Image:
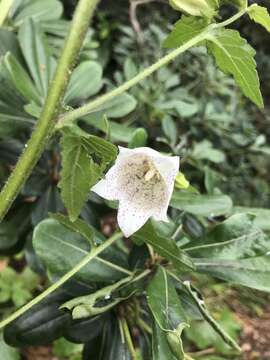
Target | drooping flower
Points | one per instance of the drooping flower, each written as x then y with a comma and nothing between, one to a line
142,180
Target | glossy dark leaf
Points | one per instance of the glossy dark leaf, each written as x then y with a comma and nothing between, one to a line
60,249
164,302
164,246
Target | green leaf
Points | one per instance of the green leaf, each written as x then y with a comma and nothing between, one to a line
20,79
204,151
60,249
235,238
160,346
8,352
236,57
37,56
204,205
118,107
78,226
39,11
79,172
260,15
117,132
262,216
184,30
164,302
253,273
138,139
86,80
164,246
9,43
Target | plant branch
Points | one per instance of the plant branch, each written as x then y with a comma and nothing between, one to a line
62,280
67,118
226,337
128,339
45,124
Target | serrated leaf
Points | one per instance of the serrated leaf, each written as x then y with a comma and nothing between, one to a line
79,172
260,15
184,30
236,57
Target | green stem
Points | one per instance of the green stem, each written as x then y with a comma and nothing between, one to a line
60,282
71,116
45,124
226,337
5,6
128,339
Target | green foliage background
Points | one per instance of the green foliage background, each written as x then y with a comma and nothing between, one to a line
190,109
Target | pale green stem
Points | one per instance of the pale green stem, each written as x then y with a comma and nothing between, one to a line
5,6
128,339
45,124
71,116
226,337
60,282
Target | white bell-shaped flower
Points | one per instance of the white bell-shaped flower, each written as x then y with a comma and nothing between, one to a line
142,180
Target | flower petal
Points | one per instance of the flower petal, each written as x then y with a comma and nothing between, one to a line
131,218
108,187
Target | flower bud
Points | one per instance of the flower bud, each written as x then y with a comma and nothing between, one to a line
195,7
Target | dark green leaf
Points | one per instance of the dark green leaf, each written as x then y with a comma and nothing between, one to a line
160,346
79,226
61,249
164,302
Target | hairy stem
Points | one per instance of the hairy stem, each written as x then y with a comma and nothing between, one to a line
71,116
225,336
45,124
60,282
